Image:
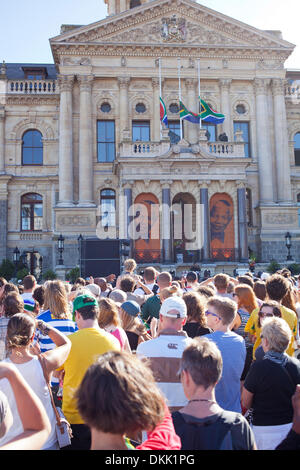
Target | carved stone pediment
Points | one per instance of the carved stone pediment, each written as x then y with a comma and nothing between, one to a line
170,22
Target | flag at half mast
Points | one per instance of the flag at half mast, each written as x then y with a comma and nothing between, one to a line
163,112
208,114
184,113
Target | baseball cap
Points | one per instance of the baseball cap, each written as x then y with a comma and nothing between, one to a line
131,307
84,300
95,290
173,307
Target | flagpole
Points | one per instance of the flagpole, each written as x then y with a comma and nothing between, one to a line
199,91
179,92
160,91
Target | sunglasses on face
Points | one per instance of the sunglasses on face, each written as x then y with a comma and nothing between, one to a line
264,315
213,314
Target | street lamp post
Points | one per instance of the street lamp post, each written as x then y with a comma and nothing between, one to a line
288,244
79,239
16,258
61,247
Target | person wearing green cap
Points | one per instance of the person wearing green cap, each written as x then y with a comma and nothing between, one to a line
88,343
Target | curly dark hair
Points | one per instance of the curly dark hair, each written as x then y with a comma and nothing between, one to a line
277,287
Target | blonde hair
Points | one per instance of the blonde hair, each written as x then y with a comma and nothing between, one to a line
108,313
171,291
277,332
56,300
129,265
130,323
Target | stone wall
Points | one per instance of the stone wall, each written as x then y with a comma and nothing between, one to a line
3,228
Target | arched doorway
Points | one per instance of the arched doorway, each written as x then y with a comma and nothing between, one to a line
146,220
184,227
222,246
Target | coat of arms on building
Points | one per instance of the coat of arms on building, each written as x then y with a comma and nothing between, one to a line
173,29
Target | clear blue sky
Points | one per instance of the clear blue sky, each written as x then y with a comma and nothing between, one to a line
27,26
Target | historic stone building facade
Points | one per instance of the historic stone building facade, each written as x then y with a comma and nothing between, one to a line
79,135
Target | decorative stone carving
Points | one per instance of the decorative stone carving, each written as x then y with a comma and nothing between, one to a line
65,82
73,220
269,65
260,86
76,61
280,219
85,82
124,82
277,87
173,29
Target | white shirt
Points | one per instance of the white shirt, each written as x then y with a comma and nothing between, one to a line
27,296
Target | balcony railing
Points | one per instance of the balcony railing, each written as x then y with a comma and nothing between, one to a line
143,149
32,87
292,91
227,149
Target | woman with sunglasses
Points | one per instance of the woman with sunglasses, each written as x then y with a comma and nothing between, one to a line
267,310
271,383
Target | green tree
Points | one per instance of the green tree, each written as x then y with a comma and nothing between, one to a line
49,275
7,269
273,267
73,274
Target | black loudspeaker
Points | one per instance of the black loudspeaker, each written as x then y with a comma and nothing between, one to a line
99,258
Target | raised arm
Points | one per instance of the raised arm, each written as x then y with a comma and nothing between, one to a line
54,358
32,413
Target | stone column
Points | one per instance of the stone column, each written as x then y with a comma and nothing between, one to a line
192,105
156,111
167,235
226,107
283,176
123,93
66,197
242,223
206,230
2,140
265,163
111,7
123,6
86,196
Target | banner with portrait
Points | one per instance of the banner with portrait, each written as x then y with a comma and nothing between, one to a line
147,228
222,244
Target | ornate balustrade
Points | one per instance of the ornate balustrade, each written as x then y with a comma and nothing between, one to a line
32,87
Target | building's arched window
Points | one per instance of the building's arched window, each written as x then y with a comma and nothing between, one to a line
297,149
32,148
31,212
108,208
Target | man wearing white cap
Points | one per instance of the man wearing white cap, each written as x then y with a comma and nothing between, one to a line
165,351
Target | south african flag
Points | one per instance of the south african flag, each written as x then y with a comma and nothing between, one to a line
188,115
208,114
163,112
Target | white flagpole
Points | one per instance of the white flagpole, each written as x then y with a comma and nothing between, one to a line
179,91
199,91
160,96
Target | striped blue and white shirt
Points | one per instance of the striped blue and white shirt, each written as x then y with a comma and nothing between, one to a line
64,325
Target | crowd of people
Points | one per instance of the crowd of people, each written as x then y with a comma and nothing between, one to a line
151,361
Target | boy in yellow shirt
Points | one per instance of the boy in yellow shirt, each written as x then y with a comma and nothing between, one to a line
88,343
